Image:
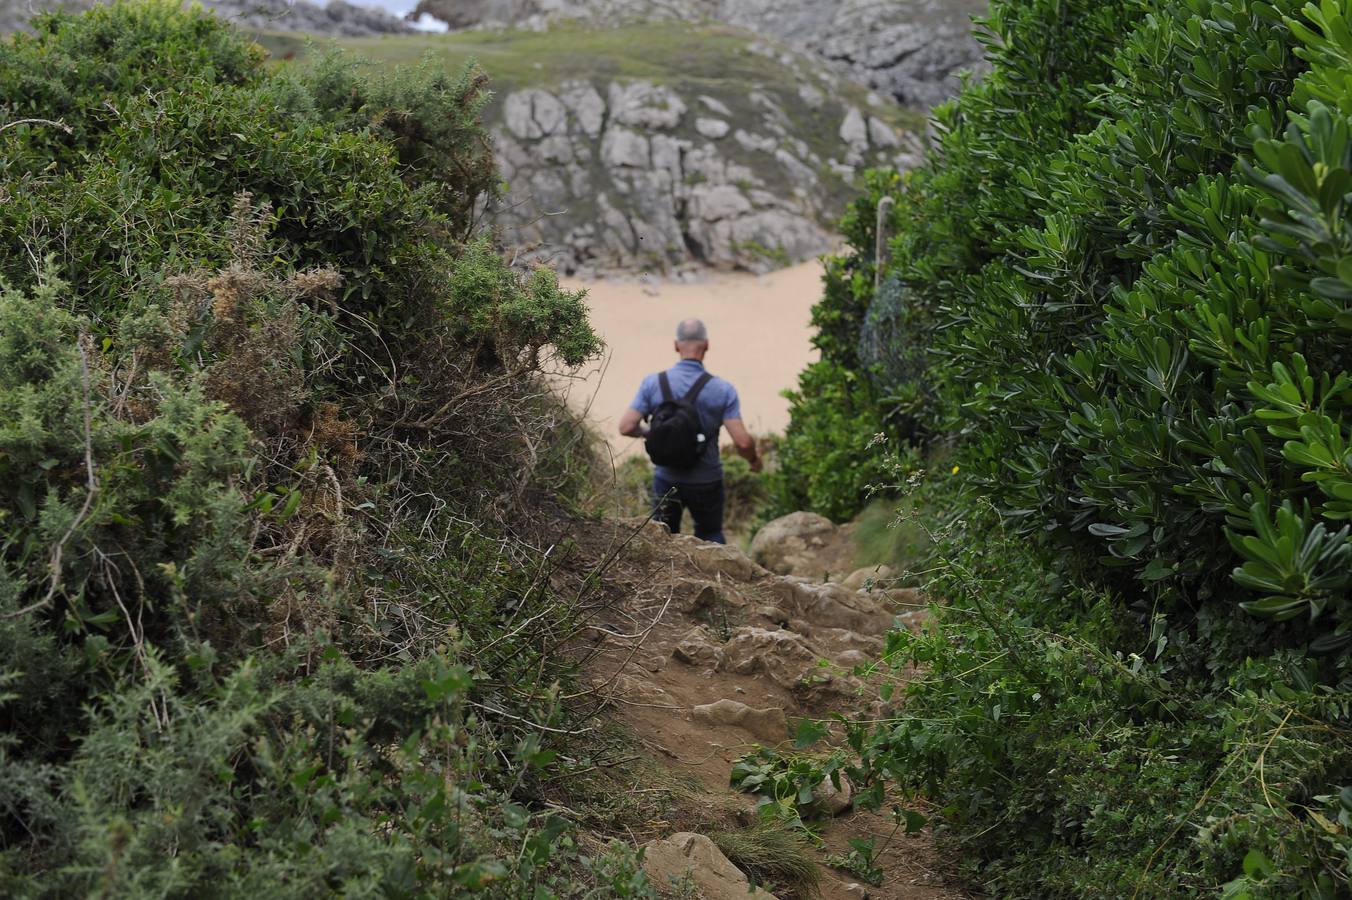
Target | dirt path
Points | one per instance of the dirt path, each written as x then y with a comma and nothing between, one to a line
702,624
760,339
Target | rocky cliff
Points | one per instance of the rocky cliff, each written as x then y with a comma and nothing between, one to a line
911,50
631,176
748,169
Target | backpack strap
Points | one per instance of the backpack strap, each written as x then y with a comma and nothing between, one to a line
665,383
693,394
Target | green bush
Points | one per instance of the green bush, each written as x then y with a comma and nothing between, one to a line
1072,755
1125,266
272,421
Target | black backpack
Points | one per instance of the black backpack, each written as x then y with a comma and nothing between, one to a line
676,437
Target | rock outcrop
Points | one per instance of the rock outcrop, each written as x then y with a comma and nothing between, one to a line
911,50
635,175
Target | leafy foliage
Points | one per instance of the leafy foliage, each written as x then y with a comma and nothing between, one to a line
271,418
1126,266
1074,751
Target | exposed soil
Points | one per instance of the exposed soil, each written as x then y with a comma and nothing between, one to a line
696,623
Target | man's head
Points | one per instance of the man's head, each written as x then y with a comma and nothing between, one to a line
692,339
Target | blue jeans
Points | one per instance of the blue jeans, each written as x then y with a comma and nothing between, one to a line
705,502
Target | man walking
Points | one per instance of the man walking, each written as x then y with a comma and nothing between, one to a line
684,408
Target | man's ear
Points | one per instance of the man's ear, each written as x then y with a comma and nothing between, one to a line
676,345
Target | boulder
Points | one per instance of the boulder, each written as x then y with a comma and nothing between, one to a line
831,800
586,105
691,856
880,134
789,545
713,129
642,104
881,576
622,148
769,725
696,649
533,114
786,657
720,560
854,130
637,689
715,202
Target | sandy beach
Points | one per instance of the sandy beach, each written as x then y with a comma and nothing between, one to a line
759,339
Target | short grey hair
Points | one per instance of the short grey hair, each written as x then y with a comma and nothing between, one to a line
691,330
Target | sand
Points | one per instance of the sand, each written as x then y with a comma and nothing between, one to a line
759,339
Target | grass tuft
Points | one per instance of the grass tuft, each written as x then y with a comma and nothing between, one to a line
770,853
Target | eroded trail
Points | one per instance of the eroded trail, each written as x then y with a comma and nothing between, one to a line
709,655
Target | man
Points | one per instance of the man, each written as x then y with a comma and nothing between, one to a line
698,488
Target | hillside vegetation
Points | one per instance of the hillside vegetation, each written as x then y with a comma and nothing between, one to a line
273,452
1113,321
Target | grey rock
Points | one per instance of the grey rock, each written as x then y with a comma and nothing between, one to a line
880,134
533,114
586,105
621,147
713,104
802,175
811,96
788,545
755,141
713,203
645,105
712,128
786,657
833,800
854,129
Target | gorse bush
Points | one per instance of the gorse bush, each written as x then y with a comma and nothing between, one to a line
1123,268
272,427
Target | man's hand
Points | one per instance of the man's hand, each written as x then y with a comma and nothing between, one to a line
631,424
745,443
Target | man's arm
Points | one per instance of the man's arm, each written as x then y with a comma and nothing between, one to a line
745,443
631,424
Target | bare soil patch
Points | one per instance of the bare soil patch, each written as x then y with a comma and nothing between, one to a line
693,624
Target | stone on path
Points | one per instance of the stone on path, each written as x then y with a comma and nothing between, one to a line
881,576
833,800
694,856
790,545
770,725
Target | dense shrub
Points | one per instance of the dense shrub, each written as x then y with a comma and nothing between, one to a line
1073,755
1124,264
271,423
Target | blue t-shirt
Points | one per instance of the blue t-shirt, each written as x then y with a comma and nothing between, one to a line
716,404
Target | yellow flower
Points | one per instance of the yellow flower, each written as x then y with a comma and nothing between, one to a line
955,469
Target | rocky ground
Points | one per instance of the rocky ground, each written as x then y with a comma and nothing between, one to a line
710,654
911,50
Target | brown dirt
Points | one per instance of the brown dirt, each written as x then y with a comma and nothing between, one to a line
668,587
